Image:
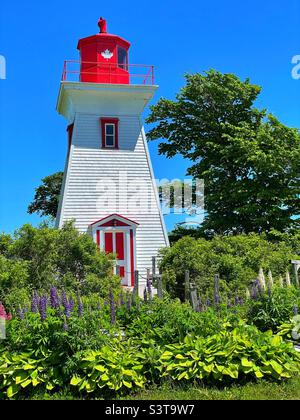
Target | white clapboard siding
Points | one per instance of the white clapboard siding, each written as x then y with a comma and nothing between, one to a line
88,163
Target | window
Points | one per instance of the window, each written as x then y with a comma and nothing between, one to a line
122,58
110,135
109,131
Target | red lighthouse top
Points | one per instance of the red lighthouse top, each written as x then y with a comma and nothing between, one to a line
104,57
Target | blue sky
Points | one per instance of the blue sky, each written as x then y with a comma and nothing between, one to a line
255,39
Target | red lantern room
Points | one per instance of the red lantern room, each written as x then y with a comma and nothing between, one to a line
104,57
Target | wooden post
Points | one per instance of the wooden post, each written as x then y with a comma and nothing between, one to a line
149,284
296,268
186,285
153,266
159,286
296,265
136,285
217,288
193,296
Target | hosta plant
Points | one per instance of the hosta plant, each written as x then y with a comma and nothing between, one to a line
22,373
291,330
243,353
113,368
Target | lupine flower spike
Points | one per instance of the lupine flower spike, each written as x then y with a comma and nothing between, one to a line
112,307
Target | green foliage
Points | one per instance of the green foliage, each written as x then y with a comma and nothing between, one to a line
38,248
13,275
236,258
151,343
40,338
271,310
22,373
46,197
249,161
5,244
169,321
116,367
37,258
230,355
291,330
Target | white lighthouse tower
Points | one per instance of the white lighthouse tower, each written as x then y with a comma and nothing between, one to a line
109,188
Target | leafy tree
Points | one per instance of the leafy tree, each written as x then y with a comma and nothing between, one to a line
78,256
59,256
46,198
37,246
249,161
5,244
236,258
13,275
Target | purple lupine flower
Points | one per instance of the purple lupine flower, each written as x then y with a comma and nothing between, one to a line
20,313
236,300
65,326
295,309
254,291
208,302
34,302
105,303
54,299
258,286
112,307
67,310
241,301
71,304
43,308
80,308
64,299
217,299
229,304
122,301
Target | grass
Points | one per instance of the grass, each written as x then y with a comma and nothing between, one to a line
289,390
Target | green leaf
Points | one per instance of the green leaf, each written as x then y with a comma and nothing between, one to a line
75,380
26,383
12,390
100,368
127,384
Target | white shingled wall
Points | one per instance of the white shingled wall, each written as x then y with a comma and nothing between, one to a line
89,163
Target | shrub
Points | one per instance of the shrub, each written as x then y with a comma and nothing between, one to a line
271,310
116,367
169,321
291,330
13,276
24,373
36,258
236,258
244,353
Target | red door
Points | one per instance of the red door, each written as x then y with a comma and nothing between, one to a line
114,242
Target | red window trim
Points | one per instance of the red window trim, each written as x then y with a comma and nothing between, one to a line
114,121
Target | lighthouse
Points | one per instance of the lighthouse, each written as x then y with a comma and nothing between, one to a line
109,189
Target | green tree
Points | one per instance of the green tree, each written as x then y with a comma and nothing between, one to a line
249,161
63,257
46,198
236,258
